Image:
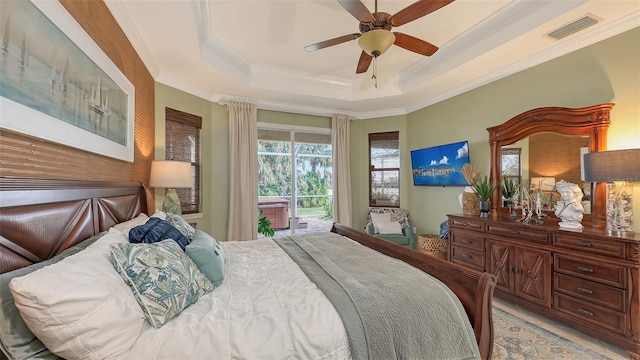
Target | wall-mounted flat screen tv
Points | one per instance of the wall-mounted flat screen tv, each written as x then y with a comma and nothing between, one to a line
440,165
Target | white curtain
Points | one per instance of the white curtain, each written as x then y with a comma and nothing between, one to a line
243,171
341,172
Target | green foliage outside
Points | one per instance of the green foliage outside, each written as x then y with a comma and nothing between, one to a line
313,168
328,211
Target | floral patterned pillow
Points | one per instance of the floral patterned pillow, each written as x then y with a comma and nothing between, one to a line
164,280
181,224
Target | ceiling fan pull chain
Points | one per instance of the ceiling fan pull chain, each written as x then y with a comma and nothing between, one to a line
375,71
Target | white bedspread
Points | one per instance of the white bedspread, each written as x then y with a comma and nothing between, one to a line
287,318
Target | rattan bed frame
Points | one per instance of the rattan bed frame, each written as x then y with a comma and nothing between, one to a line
41,218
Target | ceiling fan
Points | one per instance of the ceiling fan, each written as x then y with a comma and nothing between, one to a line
375,35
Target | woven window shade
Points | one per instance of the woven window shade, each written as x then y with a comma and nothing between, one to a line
384,169
182,143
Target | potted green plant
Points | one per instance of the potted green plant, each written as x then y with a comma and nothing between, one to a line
509,188
509,191
484,188
264,225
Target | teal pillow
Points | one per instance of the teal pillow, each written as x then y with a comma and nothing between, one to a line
163,279
207,253
181,224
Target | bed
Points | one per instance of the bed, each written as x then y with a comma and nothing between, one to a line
41,220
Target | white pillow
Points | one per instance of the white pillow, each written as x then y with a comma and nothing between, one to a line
160,214
379,218
129,224
80,307
391,227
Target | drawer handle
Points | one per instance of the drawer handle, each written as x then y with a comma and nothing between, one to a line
585,244
586,291
466,256
585,312
514,232
466,224
585,269
465,241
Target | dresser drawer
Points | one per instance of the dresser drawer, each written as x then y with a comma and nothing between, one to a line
614,275
467,239
519,233
598,294
466,224
468,257
609,248
601,317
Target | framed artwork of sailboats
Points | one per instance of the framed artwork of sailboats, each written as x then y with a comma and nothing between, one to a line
57,84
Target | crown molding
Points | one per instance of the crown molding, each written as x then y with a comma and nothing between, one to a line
128,26
564,47
483,37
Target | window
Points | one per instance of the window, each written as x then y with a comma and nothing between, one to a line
308,189
384,169
182,143
511,164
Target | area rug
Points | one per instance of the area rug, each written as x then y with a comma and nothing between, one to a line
518,339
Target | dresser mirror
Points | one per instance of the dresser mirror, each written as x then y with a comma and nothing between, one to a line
540,160
564,134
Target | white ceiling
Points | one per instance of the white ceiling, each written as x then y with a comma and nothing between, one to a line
254,49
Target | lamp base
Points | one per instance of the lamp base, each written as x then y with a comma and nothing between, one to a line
619,209
171,203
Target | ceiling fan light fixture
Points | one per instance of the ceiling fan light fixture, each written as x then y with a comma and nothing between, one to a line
376,42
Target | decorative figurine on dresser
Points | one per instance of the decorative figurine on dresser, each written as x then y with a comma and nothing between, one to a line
569,210
587,277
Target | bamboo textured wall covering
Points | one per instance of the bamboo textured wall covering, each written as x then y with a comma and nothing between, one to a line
27,157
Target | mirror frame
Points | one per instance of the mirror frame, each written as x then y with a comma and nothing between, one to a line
592,121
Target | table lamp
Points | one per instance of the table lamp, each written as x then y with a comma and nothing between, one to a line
171,174
616,168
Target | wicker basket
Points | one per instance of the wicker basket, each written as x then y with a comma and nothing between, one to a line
432,245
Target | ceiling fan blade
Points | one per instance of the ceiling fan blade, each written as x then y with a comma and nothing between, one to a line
358,10
331,42
363,63
414,44
416,11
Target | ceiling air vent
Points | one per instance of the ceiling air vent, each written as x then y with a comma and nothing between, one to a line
574,26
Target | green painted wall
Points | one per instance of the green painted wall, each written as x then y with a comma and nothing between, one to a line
214,148
279,117
604,72
359,159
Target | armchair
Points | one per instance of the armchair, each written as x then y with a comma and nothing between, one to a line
405,237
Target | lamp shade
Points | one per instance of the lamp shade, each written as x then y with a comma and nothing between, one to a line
376,42
616,165
170,174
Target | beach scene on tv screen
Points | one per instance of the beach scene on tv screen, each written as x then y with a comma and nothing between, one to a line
440,165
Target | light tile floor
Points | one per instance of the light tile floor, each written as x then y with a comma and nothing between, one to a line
314,224
607,349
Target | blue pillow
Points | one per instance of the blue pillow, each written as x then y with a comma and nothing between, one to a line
208,255
444,230
155,230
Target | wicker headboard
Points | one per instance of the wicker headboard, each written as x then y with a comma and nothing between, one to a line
41,218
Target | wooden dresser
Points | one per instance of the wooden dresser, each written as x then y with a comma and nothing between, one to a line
587,279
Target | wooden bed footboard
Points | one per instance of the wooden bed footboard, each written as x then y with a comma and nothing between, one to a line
473,288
